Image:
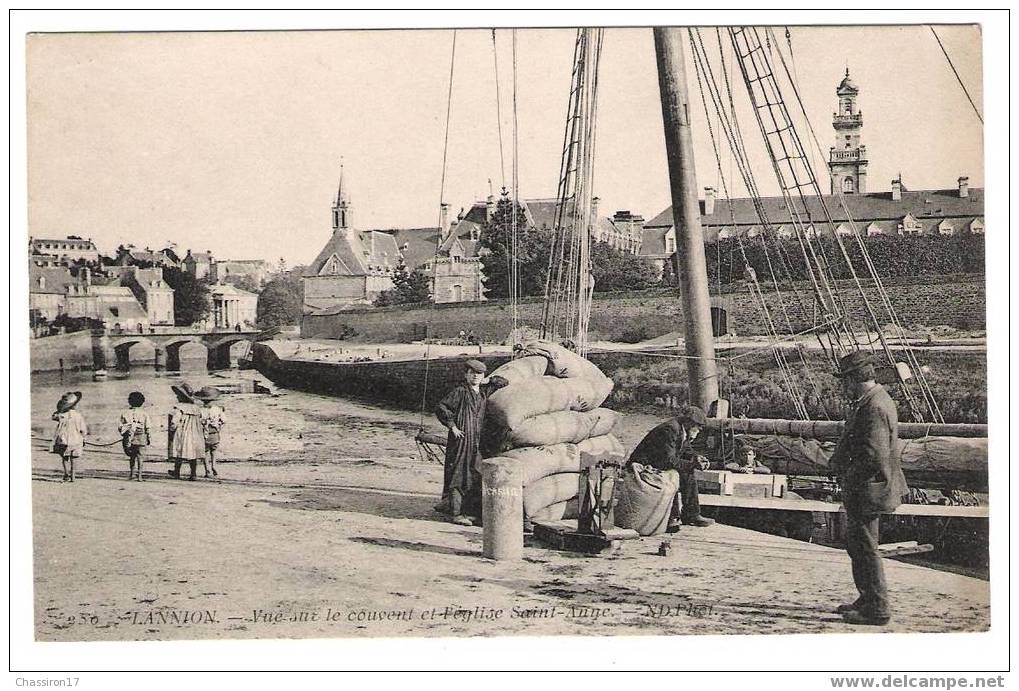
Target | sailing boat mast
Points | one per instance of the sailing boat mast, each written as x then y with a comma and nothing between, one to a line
691,266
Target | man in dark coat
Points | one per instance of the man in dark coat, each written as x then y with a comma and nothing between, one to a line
463,412
870,474
668,447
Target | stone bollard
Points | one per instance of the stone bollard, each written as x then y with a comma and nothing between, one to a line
502,508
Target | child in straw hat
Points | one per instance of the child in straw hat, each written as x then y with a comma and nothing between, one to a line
188,440
213,420
69,435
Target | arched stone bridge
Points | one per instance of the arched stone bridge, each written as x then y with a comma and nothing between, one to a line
167,344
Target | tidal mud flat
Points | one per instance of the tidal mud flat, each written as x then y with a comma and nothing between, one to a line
321,525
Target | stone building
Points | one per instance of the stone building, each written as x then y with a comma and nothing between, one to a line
623,231
231,307
897,212
353,267
113,305
151,291
198,264
66,250
847,159
129,255
47,290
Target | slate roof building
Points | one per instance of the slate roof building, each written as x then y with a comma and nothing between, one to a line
66,250
899,211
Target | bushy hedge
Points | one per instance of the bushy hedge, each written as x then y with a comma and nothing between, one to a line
923,255
755,386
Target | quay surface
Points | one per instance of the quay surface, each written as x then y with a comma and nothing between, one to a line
266,554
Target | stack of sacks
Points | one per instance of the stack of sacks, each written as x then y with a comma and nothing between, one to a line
548,418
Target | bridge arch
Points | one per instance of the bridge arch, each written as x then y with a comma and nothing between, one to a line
122,349
219,349
172,348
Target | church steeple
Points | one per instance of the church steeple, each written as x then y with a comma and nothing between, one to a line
848,158
342,209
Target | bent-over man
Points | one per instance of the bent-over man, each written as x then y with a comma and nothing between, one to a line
872,483
668,447
463,412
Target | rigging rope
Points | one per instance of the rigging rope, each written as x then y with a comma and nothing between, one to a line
498,111
925,390
514,243
439,238
956,73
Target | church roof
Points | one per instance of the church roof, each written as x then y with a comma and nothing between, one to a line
347,246
864,208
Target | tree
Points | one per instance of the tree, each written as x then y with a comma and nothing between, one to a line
191,300
280,302
408,287
533,248
617,270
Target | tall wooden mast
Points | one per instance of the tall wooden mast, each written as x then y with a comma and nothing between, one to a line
691,265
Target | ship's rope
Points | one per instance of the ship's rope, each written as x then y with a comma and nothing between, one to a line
956,73
885,300
439,238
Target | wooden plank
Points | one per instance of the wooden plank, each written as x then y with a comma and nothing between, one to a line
830,507
900,549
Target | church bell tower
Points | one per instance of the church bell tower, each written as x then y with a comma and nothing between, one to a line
342,210
848,158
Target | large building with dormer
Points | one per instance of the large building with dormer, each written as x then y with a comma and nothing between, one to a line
899,211
356,265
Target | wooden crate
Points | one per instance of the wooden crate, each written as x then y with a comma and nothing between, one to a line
730,484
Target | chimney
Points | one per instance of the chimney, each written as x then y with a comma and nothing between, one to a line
443,217
709,201
489,207
594,207
897,189
963,187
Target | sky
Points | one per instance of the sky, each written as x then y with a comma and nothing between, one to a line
232,142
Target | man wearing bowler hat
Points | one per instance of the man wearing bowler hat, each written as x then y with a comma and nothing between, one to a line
463,412
870,474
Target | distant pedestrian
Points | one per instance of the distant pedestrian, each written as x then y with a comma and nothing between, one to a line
213,420
187,441
135,433
463,412
69,434
872,483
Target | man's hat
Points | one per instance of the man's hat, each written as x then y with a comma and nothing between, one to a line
136,399
693,415
476,366
207,393
853,362
184,392
68,401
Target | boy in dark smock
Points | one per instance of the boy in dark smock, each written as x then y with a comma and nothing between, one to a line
463,412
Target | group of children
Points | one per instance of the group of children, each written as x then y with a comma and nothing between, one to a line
195,426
